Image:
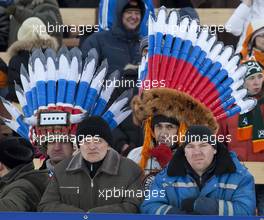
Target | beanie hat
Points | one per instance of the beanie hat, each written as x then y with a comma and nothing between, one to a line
161,118
200,133
143,44
31,29
95,125
132,4
15,151
253,67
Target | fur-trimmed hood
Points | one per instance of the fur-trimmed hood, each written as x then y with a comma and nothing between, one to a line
17,46
172,104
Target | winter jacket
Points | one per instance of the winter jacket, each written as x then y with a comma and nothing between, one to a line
107,15
48,12
4,28
21,189
72,189
243,149
19,53
229,191
117,45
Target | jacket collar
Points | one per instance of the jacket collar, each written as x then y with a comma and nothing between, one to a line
17,172
224,162
110,165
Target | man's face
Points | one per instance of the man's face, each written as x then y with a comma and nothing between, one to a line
57,151
260,42
131,19
199,155
94,150
254,83
165,133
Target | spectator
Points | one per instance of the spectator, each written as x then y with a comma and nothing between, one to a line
204,179
120,45
253,45
248,10
127,135
245,131
94,169
107,15
46,10
21,186
28,37
55,152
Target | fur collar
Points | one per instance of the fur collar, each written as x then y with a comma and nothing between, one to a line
29,45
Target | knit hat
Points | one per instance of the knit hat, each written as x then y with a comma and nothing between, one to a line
92,126
31,29
253,68
132,4
143,44
15,151
200,133
162,118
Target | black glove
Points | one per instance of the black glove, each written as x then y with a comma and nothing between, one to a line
11,10
187,204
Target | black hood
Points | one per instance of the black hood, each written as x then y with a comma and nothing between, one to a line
118,26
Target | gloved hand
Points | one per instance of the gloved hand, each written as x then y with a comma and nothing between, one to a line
37,2
162,153
11,10
188,204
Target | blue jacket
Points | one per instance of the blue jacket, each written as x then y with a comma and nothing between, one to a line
106,15
225,193
119,46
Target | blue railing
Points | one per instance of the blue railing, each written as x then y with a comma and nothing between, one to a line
81,216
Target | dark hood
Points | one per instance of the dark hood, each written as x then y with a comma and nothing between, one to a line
118,26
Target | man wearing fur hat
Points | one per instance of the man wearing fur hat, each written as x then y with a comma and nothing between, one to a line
202,178
246,130
21,186
95,179
163,141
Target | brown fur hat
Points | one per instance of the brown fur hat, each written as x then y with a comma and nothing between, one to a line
171,103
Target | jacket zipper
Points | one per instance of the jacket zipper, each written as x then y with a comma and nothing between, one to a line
71,187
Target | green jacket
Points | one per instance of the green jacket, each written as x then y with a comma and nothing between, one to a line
21,189
72,189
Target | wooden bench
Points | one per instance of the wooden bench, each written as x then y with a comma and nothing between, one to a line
257,170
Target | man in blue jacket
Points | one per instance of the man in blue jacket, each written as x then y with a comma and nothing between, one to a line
202,178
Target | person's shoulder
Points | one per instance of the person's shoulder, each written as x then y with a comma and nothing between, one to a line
130,165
